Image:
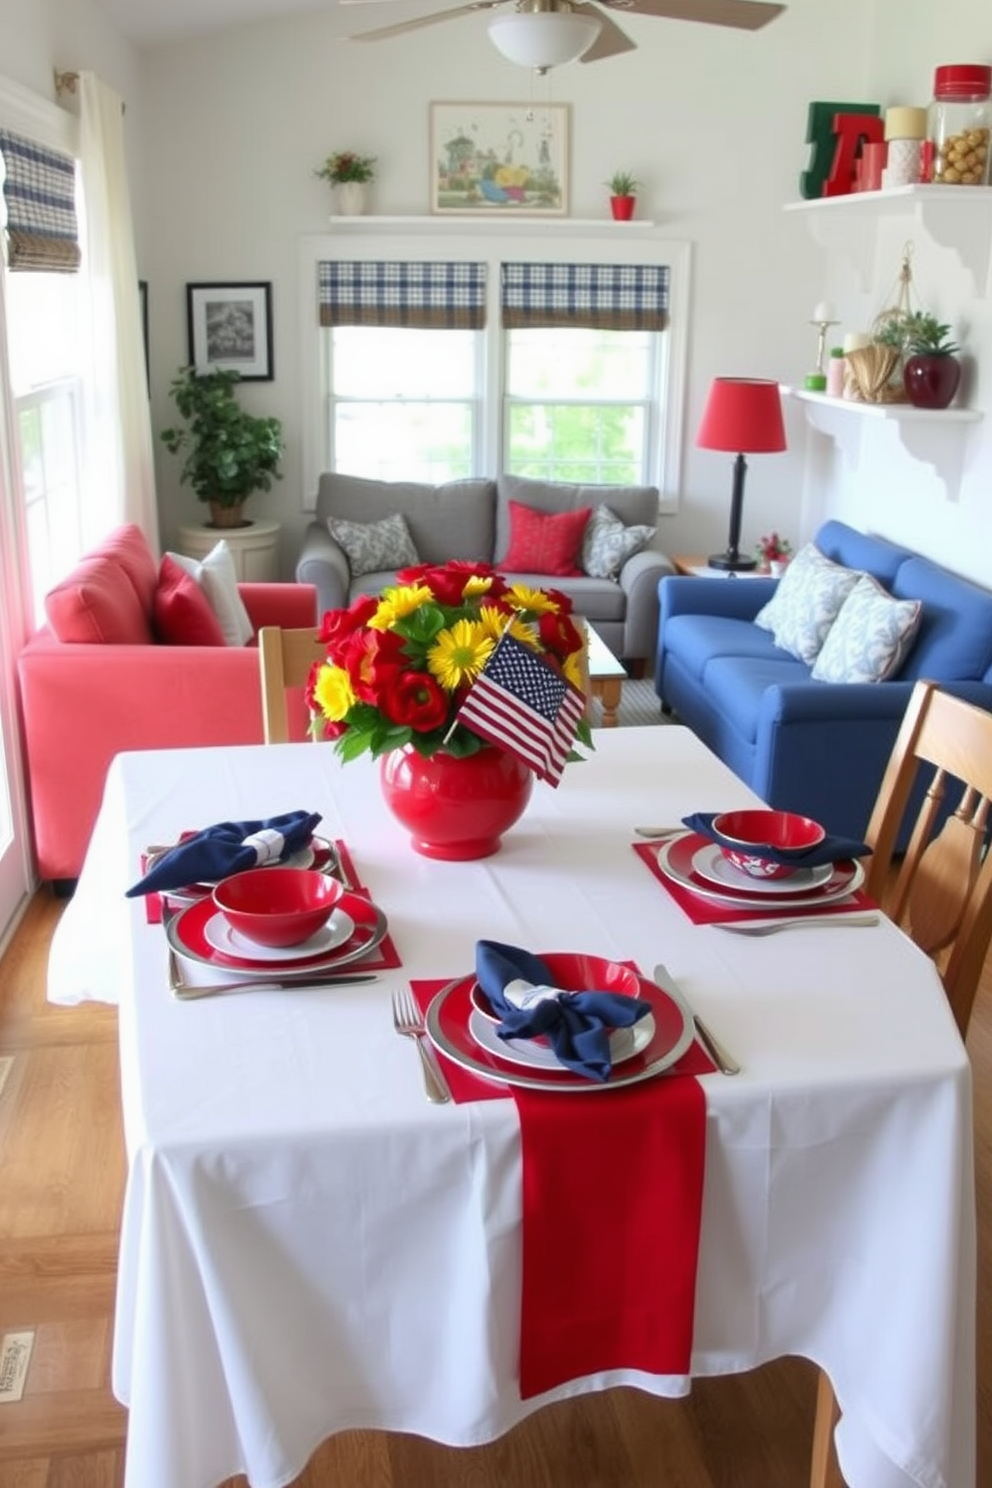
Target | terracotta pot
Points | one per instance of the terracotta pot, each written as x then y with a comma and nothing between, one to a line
455,809
931,381
227,516
622,207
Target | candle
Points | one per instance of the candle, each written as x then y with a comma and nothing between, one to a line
856,341
824,311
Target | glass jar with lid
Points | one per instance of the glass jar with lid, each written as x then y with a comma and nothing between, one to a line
959,124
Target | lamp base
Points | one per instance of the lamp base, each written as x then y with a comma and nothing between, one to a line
732,562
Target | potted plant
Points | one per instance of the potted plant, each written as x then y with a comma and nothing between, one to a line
230,453
774,552
349,174
623,195
931,371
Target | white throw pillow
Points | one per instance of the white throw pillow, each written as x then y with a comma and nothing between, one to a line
375,547
607,543
218,578
807,602
871,636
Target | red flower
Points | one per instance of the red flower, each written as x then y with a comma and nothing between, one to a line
337,625
414,700
447,582
369,657
559,634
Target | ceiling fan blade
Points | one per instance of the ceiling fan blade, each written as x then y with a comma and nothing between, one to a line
745,15
400,28
611,41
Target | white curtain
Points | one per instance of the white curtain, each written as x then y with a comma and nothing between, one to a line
120,454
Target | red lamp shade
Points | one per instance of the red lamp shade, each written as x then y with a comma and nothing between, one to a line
743,415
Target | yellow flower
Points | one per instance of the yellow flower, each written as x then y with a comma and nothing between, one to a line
459,653
477,584
536,601
332,692
572,668
494,623
398,603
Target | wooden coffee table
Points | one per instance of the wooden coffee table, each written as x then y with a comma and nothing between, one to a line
606,678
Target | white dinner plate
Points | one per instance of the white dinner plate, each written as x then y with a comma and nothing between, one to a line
223,937
675,861
624,1043
710,864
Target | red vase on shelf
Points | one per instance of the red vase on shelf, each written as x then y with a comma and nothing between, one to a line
622,207
931,381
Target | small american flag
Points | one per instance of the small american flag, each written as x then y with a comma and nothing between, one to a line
521,703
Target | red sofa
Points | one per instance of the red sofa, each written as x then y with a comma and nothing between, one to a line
85,700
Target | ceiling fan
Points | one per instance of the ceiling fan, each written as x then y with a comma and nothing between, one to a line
547,33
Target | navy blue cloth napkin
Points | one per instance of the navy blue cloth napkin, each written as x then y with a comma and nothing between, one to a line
576,1024
227,847
831,850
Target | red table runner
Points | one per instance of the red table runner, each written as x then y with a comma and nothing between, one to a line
612,1199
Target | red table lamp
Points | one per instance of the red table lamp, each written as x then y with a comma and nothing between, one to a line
742,415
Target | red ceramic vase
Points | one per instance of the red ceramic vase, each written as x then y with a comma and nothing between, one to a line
931,381
622,207
455,809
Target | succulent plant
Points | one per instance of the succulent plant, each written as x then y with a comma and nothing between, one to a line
924,335
622,183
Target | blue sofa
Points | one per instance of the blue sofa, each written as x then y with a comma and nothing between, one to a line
815,747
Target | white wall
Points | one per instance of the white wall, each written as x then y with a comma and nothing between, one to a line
711,121
878,485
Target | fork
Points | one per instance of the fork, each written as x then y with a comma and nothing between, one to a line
407,1020
825,922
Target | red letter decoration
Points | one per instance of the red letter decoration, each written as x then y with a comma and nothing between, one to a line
852,131
821,135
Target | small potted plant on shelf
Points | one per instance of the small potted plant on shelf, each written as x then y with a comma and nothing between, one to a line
931,371
623,195
349,174
230,453
774,553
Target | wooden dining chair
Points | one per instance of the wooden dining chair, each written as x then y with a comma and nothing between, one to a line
940,894
285,658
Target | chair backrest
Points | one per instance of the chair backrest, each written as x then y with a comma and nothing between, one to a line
285,659
942,892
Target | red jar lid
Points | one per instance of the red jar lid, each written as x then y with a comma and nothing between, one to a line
962,81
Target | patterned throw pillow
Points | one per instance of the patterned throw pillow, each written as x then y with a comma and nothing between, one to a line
543,543
608,544
806,603
375,547
871,637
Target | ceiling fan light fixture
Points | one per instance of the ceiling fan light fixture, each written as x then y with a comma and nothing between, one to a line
543,39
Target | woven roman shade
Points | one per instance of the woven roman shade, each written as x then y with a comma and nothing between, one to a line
604,297
445,296
40,194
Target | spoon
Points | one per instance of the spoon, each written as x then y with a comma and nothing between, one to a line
659,831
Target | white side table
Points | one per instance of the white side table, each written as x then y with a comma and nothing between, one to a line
254,548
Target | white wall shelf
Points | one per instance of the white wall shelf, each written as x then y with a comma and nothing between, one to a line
957,217
479,222
936,437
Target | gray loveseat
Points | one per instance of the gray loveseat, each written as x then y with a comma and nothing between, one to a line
470,519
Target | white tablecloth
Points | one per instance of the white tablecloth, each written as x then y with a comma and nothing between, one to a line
308,1246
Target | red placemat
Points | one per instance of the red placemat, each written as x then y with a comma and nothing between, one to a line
385,957
612,1199
703,911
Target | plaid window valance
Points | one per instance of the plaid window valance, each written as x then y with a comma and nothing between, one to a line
432,296
40,193
604,297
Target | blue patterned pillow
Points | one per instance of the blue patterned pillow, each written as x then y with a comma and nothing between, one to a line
871,636
608,543
807,602
375,547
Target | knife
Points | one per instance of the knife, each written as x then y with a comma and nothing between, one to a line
724,1061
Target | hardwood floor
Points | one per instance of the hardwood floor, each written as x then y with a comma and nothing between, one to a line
61,1180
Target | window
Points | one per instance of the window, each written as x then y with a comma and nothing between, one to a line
579,377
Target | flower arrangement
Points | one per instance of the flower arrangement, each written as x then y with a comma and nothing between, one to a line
345,165
400,663
774,549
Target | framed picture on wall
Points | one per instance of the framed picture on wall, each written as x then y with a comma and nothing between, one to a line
499,158
230,328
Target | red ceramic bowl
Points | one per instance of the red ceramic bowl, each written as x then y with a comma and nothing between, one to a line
750,831
574,972
277,906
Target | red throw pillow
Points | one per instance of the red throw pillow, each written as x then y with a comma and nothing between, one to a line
545,543
182,613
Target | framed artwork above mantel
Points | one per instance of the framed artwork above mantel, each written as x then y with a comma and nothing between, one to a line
499,159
